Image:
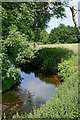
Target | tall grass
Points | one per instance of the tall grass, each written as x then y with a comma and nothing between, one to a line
49,58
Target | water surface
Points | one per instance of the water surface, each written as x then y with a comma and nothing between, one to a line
35,89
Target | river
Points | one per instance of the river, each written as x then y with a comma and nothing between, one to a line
34,89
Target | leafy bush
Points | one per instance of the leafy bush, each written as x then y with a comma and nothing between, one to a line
16,50
67,68
10,74
17,47
44,36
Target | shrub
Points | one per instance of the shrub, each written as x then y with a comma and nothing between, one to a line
67,68
10,74
17,47
15,50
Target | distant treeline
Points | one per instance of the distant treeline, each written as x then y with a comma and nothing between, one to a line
63,34
60,34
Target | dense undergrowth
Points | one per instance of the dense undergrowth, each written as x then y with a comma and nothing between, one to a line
15,51
49,58
10,74
65,103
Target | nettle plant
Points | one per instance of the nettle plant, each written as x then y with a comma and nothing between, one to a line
66,68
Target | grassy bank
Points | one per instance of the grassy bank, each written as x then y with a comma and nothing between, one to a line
65,103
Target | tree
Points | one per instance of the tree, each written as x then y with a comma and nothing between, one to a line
44,37
28,17
63,34
72,9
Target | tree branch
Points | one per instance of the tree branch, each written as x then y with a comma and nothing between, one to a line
74,19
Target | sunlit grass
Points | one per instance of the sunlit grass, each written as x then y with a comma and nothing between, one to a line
73,47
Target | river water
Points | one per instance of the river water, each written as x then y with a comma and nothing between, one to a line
35,89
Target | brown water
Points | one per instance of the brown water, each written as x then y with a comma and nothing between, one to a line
35,89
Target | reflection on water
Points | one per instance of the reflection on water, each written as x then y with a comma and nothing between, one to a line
34,90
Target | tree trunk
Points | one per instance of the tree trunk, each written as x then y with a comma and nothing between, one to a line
74,20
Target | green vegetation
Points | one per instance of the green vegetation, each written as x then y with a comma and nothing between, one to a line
25,16
65,103
30,18
63,34
24,23
15,50
49,58
44,36
17,47
67,68
10,74
73,47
